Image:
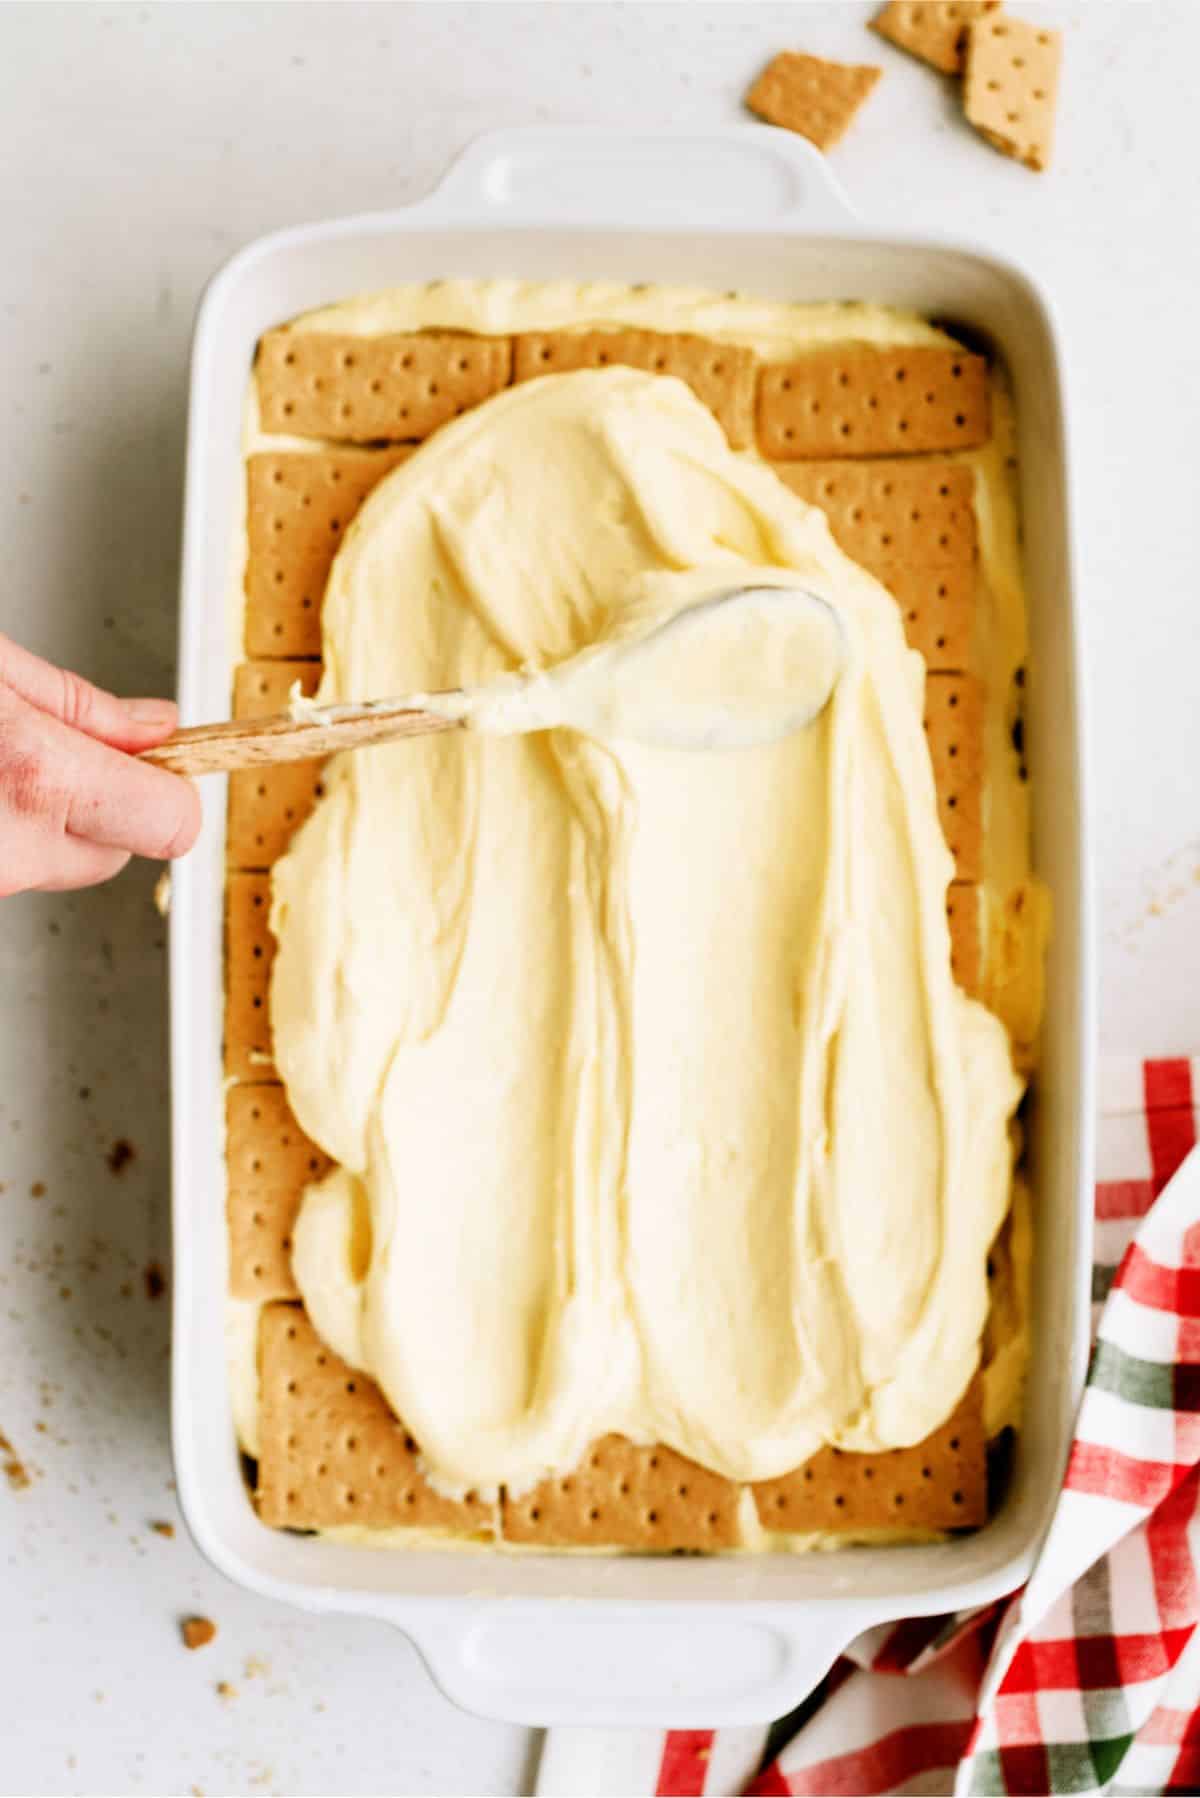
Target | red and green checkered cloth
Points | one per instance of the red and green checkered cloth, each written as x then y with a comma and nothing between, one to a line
1088,1680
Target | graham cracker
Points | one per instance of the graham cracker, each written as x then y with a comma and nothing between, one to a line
939,1484
886,511
954,728
720,374
1011,86
267,806
938,606
270,1162
962,915
860,400
330,1450
934,30
911,525
387,389
249,953
298,508
623,1496
815,98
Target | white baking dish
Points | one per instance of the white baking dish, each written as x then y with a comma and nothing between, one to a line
677,1641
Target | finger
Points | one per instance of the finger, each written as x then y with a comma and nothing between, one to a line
76,863
125,723
114,799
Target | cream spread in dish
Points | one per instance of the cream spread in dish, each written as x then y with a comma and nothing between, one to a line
654,1103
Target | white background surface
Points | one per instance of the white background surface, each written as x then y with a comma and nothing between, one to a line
140,145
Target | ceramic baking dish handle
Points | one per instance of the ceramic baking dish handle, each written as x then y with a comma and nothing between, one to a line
691,1667
748,173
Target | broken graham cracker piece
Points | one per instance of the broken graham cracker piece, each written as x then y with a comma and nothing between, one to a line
911,525
962,915
857,399
249,953
934,30
939,1484
954,729
267,806
298,509
1011,86
392,389
720,374
814,98
269,1161
622,1496
330,1450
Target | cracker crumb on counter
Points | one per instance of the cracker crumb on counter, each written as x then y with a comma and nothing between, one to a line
197,1632
120,1155
15,1471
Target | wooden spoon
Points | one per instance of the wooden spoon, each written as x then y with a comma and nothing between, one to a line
629,688
256,742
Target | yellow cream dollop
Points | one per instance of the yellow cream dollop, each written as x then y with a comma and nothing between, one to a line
655,1105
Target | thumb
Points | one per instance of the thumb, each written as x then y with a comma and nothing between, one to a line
124,723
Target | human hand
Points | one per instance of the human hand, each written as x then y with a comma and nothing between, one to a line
75,803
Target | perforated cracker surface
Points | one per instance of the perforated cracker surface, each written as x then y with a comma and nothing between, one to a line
270,1161
1010,91
392,389
954,729
934,30
885,512
267,806
940,1484
720,374
911,525
249,953
623,1496
298,509
858,400
331,1451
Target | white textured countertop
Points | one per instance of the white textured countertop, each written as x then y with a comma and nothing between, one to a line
143,144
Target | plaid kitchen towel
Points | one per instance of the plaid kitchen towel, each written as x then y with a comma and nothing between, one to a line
1088,1680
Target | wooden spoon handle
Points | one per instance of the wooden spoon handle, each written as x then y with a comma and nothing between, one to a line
255,742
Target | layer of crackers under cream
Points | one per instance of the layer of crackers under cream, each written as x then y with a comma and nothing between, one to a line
777,331
650,1088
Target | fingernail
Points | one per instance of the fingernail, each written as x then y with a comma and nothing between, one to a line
155,714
